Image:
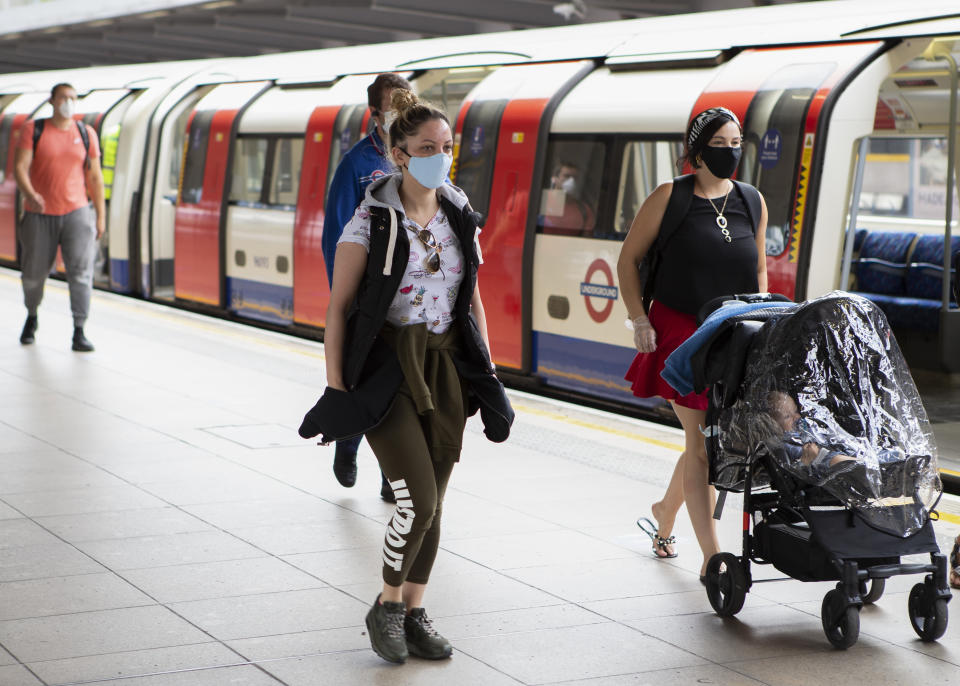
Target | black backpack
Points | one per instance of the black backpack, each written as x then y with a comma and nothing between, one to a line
680,198
84,136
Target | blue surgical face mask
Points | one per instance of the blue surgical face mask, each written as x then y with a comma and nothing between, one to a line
430,171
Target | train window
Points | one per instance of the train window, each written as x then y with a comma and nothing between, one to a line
906,177
644,166
447,88
571,187
249,165
285,180
478,150
191,191
346,132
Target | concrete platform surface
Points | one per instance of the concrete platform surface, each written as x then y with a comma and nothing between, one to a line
162,524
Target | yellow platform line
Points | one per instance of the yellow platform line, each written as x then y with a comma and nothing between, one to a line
947,517
598,427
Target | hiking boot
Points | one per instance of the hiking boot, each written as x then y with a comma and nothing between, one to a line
29,329
422,639
80,342
385,491
345,465
385,623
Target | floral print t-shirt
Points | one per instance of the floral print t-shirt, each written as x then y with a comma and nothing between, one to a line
423,296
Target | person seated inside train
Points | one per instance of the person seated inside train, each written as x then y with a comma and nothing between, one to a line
563,209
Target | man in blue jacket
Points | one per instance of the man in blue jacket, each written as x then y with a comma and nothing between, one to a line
364,162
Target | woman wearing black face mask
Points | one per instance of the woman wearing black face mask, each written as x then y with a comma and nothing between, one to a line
716,248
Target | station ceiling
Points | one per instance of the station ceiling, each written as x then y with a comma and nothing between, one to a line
64,33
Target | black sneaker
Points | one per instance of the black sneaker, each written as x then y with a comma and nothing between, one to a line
385,491
385,625
422,639
80,342
345,465
29,329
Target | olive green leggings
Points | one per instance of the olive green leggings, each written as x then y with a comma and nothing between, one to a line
419,483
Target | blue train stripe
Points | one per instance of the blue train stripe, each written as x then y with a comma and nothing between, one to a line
576,364
264,302
119,275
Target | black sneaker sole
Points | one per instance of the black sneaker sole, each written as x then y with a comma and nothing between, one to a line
377,649
413,650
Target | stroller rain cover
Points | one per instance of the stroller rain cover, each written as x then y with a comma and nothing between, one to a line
827,394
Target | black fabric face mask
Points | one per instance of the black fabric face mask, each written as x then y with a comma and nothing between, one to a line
721,162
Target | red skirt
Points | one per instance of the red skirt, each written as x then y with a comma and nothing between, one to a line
672,328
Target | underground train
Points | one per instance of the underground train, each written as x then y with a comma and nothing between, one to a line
218,169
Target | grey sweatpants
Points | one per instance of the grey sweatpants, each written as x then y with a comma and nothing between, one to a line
40,235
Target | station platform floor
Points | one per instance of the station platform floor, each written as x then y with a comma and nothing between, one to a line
162,524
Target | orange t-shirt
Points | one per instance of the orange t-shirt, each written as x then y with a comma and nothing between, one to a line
57,168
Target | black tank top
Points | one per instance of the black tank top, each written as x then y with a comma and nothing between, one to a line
699,265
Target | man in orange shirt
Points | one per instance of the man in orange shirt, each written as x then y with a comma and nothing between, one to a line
57,178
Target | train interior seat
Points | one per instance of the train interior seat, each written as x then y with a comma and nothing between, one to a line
903,273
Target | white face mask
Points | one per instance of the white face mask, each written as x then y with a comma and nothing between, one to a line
67,108
389,117
569,185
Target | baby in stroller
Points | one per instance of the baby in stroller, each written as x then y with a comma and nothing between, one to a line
798,444
815,418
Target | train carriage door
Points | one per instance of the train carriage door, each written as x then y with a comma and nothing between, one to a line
163,185
311,292
500,148
602,160
780,95
198,239
261,215
106,109
17,111
902,245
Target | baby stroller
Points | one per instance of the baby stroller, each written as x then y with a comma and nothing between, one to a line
815,418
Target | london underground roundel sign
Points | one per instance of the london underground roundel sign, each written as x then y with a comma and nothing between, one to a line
599,293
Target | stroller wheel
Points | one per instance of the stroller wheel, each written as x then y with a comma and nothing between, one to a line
726,583
928,614
876,590
841,622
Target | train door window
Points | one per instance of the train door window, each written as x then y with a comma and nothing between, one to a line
191,190
447,88
177,127
644,166
773,140
285,179
110,138
571,187
478,150
906,178
346,132
249,166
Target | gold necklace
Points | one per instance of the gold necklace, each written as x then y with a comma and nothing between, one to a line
721,220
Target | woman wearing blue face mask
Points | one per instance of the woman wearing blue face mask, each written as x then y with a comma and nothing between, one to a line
405,296
715,248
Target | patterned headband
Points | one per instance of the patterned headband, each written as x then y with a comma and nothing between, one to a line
704,118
